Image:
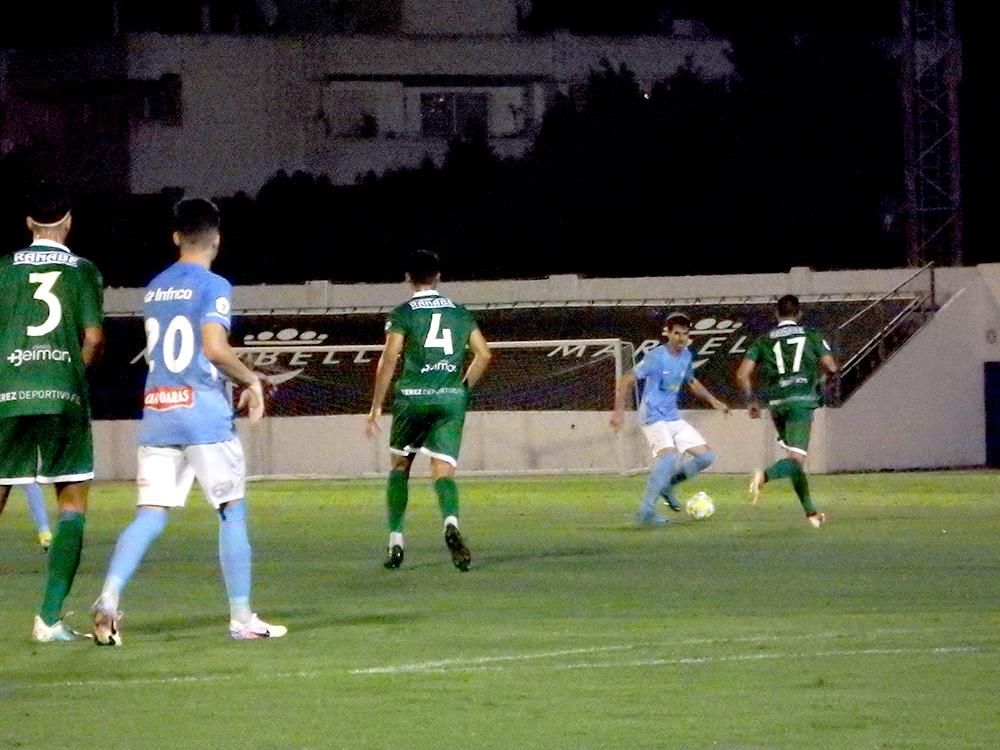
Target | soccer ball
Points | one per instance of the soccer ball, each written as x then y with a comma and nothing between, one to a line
700,506
105,630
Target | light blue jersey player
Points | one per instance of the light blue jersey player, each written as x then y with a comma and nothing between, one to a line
185,400
664,371
187,430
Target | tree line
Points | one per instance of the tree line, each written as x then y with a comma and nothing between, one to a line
795,161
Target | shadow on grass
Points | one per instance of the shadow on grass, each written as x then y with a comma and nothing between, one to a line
544,555
297,620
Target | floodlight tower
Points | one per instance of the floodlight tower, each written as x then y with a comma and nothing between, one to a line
931,73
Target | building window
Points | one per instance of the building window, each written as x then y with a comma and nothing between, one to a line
447,114
350,112
157,101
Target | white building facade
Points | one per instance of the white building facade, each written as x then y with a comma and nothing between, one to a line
226,112
221,109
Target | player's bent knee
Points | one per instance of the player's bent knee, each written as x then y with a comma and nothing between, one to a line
704,460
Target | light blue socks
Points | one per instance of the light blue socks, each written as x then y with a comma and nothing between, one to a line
36,506
132,544
692,465
235,558
659,478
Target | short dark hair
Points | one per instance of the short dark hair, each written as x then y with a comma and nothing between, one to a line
48,202
195,217
676,319
423,266
788,306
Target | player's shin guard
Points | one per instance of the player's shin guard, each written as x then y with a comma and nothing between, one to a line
447,494
801,486
235,558
693,465
64,560
659,477
397,496
781,469
130,548
791,468
36,506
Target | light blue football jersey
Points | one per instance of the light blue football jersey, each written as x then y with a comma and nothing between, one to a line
663,374
185,400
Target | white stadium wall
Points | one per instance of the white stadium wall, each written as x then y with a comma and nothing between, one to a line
924,408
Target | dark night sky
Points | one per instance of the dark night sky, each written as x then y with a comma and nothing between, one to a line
755,24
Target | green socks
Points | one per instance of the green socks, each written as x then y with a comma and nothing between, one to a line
447,492
790,468
781,469
64,559
397,495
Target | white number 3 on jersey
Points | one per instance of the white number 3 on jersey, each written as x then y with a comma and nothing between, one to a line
44,293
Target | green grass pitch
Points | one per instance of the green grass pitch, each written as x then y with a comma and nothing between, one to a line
573,629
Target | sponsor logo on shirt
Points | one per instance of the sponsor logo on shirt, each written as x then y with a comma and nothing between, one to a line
167,295
440,366
20,356
794,380
165,398
39,394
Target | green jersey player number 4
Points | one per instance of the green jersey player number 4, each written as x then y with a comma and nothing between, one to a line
436,333
434,337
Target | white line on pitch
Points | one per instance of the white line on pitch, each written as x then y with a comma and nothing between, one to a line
500,662
131,682
445,663
482,665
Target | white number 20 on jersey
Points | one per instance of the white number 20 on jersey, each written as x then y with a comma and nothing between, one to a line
178,343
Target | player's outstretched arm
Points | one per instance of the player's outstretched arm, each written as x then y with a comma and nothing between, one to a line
699,390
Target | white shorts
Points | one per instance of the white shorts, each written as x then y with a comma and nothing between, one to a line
677,434
166,473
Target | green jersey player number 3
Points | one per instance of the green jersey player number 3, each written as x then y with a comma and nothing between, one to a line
45,282
50,294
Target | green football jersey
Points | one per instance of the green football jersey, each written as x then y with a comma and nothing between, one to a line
788,364
436,335
48,295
